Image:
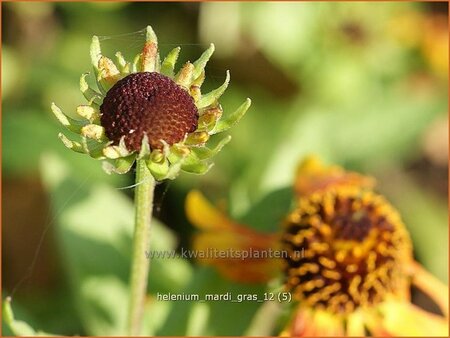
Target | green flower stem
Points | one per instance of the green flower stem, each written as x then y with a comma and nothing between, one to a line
141,243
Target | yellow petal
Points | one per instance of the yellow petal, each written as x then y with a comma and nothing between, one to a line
355,325
405,319
203,215
314,323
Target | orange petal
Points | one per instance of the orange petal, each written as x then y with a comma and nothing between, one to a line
238,252
401,318
431,286
312,176
241,258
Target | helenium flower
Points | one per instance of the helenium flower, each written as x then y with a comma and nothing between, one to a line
144,110
349,262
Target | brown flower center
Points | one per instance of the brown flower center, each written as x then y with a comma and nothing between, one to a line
345,249
148,104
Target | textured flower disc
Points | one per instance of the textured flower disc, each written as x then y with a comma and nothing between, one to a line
345,249
151,104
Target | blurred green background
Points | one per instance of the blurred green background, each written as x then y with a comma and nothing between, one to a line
362,85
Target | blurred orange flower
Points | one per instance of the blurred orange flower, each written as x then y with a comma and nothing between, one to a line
349,263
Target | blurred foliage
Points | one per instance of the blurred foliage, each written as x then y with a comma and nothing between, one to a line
363,85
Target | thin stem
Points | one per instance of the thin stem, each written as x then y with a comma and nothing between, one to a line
140,265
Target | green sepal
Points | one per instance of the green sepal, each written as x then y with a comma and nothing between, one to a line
72,145
108,74
199,168
196,138
226,122
174,170
204,153
96,54
149,55
145,148
94,132
71,124
113,152
168,64
200,64
159,170
119,166
93,148
135,65
89,113
214,95
192,164
184,76
124,66
90,95
208,119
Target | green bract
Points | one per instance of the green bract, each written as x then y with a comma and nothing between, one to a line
164,162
